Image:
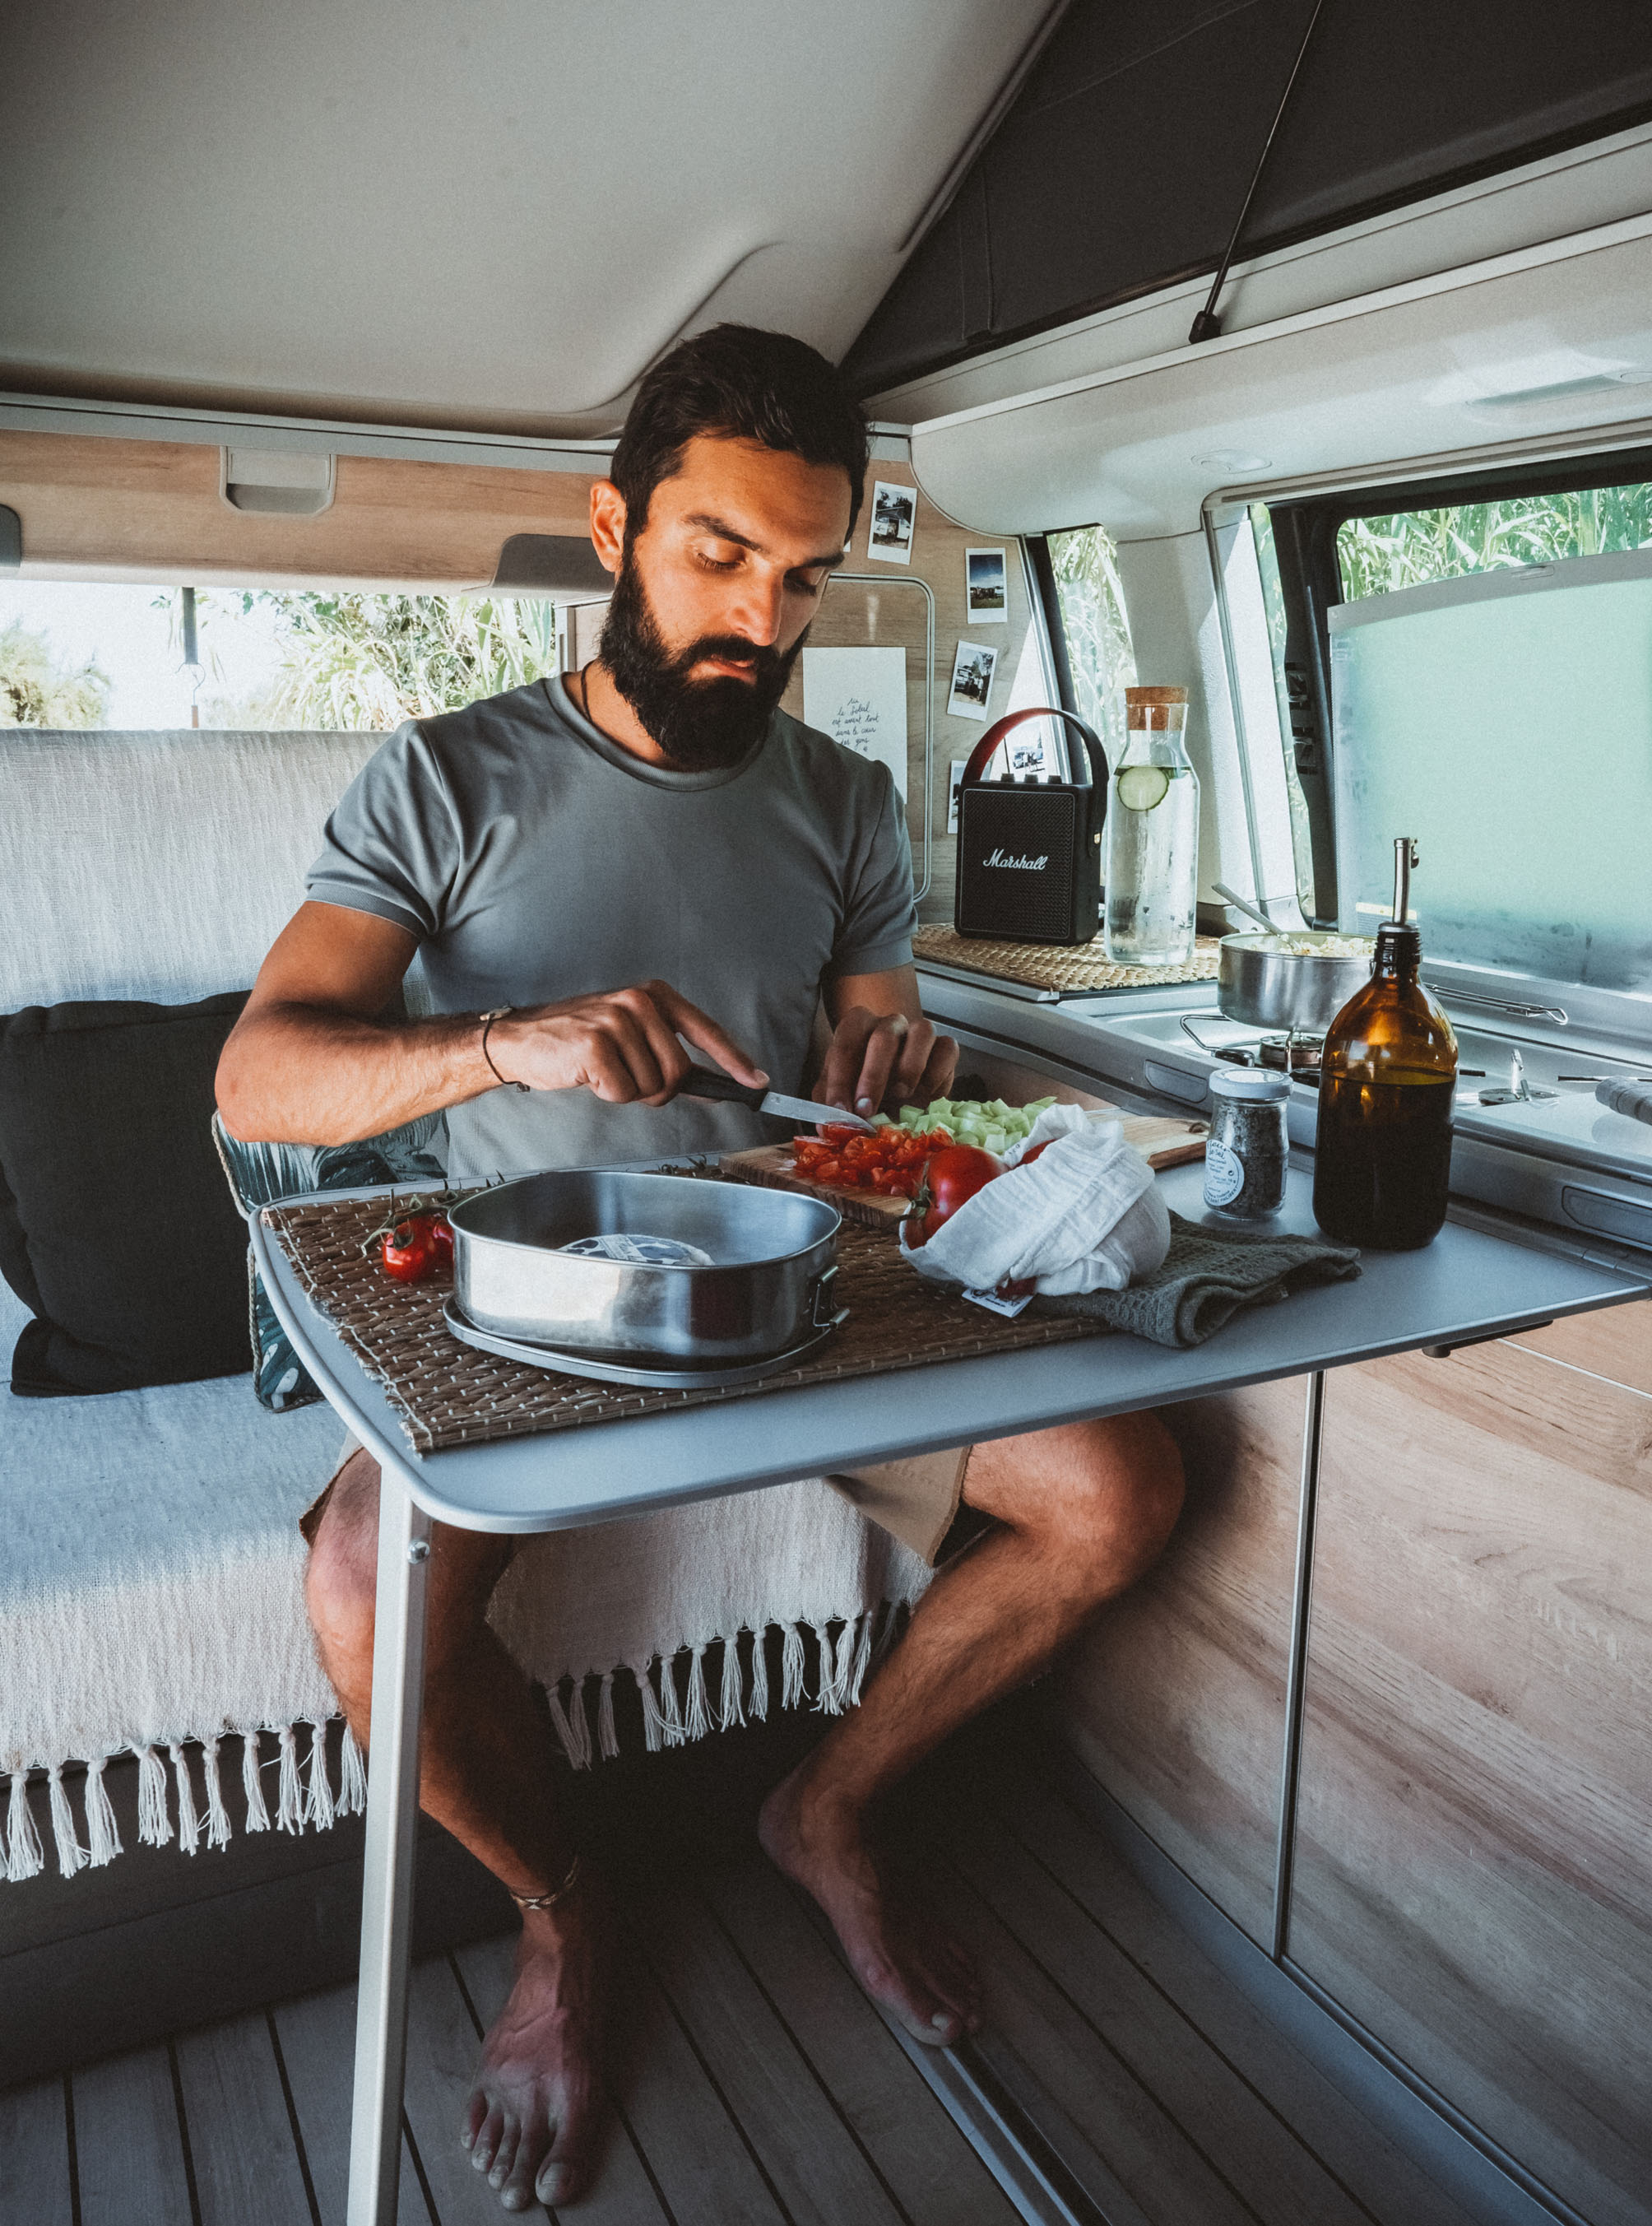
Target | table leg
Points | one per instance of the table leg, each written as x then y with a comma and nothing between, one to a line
387,1880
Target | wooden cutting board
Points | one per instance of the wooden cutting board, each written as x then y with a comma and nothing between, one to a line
1162,1143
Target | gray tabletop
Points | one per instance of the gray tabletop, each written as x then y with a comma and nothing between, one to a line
1466,1284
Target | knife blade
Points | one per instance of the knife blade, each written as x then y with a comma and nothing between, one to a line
707,1082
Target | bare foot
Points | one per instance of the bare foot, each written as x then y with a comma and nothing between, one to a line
534,2111
903,1958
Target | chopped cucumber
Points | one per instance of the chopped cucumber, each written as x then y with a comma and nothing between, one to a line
987,1123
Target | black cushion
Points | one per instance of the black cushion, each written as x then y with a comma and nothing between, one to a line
117,1229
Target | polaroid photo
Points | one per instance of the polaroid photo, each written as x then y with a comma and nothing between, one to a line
987,582
893,510
958,768
973,667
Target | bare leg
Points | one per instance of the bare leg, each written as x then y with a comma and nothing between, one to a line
1087,1507
485,1773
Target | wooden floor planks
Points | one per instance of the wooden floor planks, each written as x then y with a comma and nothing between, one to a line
128,2146
756,2086
34,2156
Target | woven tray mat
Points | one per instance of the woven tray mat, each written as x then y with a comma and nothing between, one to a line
1041,966
449,1394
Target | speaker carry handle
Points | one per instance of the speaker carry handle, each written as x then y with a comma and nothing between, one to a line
1092,756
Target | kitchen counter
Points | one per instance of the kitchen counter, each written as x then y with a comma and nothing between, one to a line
1559,1169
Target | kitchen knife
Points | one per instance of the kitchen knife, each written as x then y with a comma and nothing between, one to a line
707,1082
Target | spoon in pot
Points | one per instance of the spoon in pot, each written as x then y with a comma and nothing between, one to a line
1244,904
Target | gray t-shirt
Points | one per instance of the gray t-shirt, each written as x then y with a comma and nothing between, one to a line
533,859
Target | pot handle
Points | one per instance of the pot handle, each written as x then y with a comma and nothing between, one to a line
821,1296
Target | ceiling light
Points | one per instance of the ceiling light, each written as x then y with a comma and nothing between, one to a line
1234,459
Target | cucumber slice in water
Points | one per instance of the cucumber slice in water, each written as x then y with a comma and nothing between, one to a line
1141,787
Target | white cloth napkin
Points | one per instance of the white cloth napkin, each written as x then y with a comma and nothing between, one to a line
1087,1216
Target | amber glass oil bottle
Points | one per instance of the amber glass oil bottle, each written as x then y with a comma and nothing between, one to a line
1387,1080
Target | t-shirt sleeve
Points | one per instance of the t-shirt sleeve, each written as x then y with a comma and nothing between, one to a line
880,912
391,842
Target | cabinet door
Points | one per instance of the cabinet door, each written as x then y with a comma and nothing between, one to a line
1175,1697
1473,1863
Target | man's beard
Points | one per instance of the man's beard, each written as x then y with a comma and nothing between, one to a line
701,725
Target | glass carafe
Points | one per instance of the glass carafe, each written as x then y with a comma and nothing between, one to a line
1153,836
1388,1082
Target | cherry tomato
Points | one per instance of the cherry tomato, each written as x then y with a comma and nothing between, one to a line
951,1179
418,1248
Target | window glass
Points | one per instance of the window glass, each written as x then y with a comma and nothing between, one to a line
1381,555
80,654
1503,720
1095,628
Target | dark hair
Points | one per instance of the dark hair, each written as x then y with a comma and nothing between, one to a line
738,384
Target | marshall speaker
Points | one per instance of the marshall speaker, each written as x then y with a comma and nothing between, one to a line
1030,854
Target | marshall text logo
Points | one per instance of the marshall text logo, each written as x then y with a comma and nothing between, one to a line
1017,865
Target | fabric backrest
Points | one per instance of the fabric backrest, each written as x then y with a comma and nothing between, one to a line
158,865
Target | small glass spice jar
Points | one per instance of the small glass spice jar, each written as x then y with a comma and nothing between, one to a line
1249,1148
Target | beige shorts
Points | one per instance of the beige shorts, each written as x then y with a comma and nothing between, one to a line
915,1500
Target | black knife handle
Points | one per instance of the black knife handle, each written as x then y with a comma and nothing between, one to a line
707,1082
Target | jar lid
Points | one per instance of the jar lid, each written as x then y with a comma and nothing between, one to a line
1250,1085
1148,707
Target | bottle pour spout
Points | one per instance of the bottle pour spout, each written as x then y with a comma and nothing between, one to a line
1405,857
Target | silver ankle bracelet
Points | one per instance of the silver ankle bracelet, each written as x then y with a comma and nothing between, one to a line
557,1893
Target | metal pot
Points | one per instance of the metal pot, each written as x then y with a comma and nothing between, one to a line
751,1276
1293,992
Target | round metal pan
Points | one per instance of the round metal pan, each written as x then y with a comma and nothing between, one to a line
625,1368
1291,992
770,1257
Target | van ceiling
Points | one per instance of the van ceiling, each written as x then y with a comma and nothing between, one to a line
493,216
1122,165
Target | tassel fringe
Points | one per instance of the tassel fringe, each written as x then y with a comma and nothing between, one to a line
188,1822
318,1803
102,1833
697,1720
24,1859
352,1778
257,1816
729,1711
305,1796
759,1675
792,1667
70,1855
154,1825
289,1805
218,1817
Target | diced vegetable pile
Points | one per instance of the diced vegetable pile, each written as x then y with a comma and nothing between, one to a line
890,1161
986,1122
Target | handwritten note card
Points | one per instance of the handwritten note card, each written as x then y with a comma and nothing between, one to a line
858,697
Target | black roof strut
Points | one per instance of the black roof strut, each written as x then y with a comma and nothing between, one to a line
1207,325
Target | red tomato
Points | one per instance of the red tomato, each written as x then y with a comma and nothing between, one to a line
951,1179
1027,1158
418,1248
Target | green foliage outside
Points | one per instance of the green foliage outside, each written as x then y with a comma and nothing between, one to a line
1376,556
1095,628
36,691
361,661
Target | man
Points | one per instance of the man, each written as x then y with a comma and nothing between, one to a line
594,871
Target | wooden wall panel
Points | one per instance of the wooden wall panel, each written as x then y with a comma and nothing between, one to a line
93,508
1616,1343
1473,1874
1175,1698
845,618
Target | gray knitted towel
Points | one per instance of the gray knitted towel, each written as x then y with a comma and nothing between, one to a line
1207,1275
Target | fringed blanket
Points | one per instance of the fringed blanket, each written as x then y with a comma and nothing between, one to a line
161,1653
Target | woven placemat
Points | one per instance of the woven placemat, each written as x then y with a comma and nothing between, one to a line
449,1394
1043,966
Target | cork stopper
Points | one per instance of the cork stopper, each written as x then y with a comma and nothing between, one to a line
1164,708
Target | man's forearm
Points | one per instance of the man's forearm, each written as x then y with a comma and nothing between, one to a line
301,1074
